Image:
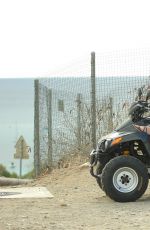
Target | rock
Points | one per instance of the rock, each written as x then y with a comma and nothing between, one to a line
63,204
43,212
24,216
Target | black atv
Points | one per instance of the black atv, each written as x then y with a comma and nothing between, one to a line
122,158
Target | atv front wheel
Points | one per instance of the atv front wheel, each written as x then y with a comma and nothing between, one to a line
124,178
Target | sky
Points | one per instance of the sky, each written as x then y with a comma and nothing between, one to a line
39,37
16,119
44,38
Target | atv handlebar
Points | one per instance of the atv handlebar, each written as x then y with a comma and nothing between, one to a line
138,108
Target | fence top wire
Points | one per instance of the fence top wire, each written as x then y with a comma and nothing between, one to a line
131,62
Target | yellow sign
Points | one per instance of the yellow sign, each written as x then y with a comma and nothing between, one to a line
22,150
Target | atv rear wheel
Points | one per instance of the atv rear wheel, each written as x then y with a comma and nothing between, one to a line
124,178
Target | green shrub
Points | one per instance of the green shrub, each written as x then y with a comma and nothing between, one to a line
13,175
5,173
2,169
29,175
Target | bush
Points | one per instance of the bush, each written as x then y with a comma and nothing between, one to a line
2,169
5,173
29,175
13,175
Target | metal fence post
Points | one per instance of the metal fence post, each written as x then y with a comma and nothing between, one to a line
36,129
111,114
21,156
50,147
79,120
93,101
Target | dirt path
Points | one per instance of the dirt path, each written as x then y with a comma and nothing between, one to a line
78,203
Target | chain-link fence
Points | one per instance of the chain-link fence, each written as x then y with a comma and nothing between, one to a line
69,128
63,118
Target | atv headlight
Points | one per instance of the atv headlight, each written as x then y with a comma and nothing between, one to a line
116,141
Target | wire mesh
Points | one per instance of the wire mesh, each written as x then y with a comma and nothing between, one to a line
117,85
71,111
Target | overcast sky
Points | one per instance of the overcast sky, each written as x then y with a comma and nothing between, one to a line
37,37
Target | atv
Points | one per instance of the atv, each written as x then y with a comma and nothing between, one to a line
122,158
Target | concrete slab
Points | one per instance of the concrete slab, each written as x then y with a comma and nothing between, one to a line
25,192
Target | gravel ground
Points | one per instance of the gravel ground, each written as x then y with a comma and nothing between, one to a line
78,203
